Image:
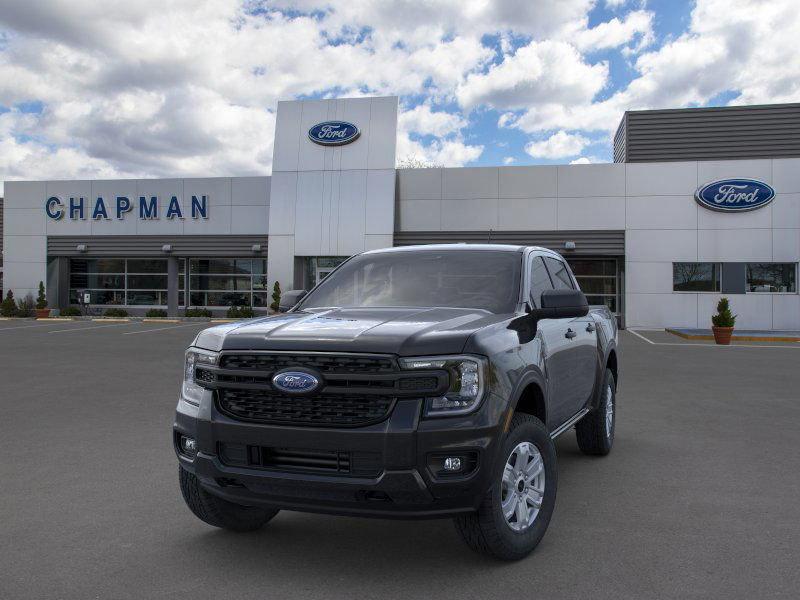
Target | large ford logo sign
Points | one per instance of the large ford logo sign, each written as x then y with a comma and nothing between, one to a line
333,133
735,195
296,382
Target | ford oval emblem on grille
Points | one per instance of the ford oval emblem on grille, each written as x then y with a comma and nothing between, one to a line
296,382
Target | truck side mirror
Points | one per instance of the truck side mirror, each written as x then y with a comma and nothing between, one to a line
562,304
290,298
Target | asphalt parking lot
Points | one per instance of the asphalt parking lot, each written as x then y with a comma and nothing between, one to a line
699,498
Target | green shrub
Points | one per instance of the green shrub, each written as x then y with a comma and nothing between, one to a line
8,308
71,311
26,306
241,312
724,316
115,312
41,299
276,297
197,312
156,312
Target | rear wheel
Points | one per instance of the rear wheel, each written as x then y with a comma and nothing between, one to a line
218,512
516,511
595,431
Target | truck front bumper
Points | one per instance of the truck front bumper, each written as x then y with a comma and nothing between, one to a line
389,469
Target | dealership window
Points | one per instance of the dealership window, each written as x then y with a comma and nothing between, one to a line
228,282
559,274
122,282
597,279
772,277
696,277
318,268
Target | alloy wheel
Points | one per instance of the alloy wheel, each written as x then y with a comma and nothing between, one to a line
522,488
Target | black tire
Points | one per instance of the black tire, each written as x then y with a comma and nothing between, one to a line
487,531
593,437
218,512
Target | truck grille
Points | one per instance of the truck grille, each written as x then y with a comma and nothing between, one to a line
300,460
322,410
323,363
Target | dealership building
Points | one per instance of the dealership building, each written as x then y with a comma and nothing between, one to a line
699,203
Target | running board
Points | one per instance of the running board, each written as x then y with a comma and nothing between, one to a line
577,417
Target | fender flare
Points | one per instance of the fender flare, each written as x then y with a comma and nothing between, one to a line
532,375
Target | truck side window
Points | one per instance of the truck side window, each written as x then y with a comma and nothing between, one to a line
560,274
540,280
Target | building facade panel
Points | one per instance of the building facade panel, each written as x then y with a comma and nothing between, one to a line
661,212
533,182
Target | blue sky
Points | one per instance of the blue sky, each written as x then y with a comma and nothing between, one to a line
161,88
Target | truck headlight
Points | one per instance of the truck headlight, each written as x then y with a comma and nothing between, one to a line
467,380
191,390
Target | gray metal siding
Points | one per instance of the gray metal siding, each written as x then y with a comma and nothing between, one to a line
587,243
150,245
725,133
1,233
620,138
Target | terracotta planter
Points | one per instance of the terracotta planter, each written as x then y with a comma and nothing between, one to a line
42,313
722,335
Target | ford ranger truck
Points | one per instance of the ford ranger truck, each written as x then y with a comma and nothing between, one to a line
412,382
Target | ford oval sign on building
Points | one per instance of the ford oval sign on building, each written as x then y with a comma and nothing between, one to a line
295,382
333,133
735,195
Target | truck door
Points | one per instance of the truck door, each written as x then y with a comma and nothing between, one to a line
580,337
556,347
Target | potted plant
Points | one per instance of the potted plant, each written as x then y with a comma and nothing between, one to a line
42,312
276,297
723,322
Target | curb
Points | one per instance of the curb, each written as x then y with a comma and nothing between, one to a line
735,338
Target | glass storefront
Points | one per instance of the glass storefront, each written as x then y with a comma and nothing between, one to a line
318,268
212,282
228,282
599,280
122,282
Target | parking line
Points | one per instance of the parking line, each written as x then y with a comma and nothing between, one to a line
88,328
159,329
640,336
28,326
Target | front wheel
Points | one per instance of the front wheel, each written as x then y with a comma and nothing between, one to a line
218,512
516,511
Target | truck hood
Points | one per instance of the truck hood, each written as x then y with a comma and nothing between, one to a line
401,331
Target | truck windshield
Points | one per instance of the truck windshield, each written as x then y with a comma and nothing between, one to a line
482,279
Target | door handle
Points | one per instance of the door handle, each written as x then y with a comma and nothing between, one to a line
570,334
590,327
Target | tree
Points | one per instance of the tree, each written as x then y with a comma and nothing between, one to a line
412,161
276,297
8,308
41,299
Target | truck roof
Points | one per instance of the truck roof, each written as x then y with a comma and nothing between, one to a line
461,246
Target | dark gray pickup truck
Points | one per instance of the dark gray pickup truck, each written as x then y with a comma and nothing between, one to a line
414,382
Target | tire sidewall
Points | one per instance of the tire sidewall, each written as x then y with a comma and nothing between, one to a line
520,543
608,381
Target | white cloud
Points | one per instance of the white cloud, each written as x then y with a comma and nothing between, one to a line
447,153
509,160
559,145
539,72
616,32
423,120
581,161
